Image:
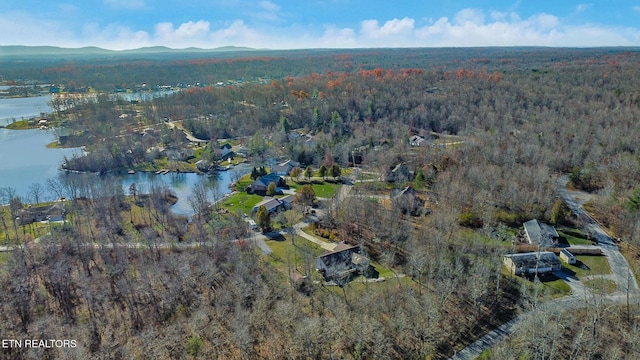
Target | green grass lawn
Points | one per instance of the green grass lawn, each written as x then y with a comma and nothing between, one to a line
19,125
241,201
574,236
555,288
243,182
594,265
471,236
323,189
285,255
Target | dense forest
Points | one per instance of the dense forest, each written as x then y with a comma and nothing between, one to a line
516,121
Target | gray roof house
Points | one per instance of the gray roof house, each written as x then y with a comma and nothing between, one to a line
532,263
272,205
287,201
417,140
284,168
539,233
341,263
407,200
399,173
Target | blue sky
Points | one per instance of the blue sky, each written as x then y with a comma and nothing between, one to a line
287,24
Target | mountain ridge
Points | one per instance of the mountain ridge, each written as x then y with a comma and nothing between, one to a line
25,50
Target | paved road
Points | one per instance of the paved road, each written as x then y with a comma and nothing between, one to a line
259,241
580,294
188,134
619,265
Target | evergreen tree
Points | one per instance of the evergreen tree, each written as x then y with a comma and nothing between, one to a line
420,179
308,172
254,174
335,170
322,171
286,126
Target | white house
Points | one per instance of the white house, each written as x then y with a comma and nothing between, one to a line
568,257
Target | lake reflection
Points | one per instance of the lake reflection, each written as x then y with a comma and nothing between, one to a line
25,160
182,184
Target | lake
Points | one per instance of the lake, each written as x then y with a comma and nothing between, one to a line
28,107
23,108
182,184
25,160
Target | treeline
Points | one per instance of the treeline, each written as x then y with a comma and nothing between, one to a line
76,71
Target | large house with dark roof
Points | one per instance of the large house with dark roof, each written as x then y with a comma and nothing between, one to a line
260,185
341,263
407,201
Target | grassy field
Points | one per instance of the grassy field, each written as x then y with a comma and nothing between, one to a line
574,236
590,265
243,182
287,256
241,201
502,241
323,189
555,288
19,125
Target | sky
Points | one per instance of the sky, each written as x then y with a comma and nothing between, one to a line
289,24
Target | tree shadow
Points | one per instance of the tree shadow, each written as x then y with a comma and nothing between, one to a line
581,265
275,236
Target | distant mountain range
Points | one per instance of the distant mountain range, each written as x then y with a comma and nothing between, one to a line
21,51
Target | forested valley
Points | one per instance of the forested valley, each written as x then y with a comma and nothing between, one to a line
504,125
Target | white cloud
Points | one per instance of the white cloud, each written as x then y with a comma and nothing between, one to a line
468,27
472,16
335,37
238,34
125,4
186,31
371,29
542,21
269,6
267,12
